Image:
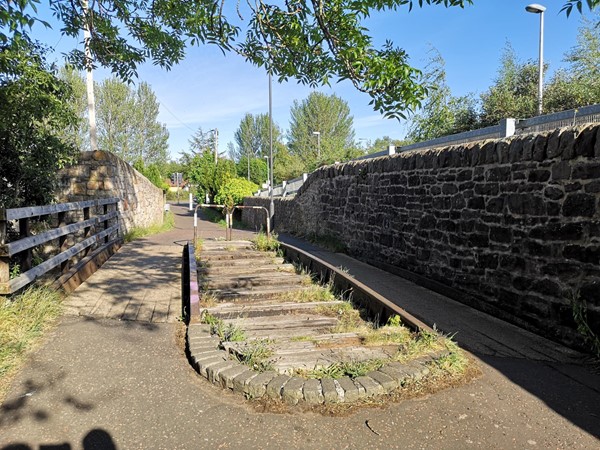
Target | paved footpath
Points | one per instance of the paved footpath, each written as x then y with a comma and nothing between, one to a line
101,381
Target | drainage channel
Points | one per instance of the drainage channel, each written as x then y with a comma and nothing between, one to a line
261,327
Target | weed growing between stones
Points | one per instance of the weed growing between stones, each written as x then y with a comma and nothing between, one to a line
256,355
579,307
225,332
266,244
208,300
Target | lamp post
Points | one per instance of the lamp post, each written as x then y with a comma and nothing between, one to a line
534,8
271,204
318,134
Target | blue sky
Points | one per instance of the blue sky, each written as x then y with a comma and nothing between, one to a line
213,90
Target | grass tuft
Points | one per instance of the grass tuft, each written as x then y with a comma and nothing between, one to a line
256,355
266,244
23,319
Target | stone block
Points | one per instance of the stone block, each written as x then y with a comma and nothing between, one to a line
351,391
586,171
584,143
397,374
567,141
539,148
94,185
213,371
388,383
579,205
275,386
330,392
293,390
203,363
78,188
313,393
99,155
108,185
240,382
228,376
198,330
552,147
372,388
257,386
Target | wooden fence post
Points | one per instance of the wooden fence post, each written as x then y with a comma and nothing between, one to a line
4,269
24,257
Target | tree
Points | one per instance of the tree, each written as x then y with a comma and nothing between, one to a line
234,190
203,141
442,114
310,41
514,92
579,84
32,116
79,134
286,166
128,122
254,170
383,143
327,115
202,172
150,137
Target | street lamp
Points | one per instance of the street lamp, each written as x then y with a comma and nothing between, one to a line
318,134
539,9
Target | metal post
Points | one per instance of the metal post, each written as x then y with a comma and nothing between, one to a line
191,202
271,204
535,8
541,68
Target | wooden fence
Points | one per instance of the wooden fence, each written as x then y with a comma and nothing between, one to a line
91,230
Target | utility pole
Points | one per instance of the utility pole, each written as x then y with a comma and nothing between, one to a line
89,80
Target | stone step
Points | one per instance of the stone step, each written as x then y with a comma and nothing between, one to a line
228,269
289,325
264,259
220,244
310,359
227,255
235,310
249,281
281,292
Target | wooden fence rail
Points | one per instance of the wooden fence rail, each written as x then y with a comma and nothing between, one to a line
93,231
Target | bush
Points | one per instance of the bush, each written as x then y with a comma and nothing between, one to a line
233,192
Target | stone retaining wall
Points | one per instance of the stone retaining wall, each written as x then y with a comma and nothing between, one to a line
102,174
511,227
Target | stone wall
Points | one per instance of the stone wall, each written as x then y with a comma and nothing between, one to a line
511,227
102,174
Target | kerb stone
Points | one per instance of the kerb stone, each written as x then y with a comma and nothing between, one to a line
387,382
313,394
257,386
212,372
203,364
276,385
227,376
351,393
292,391
330,393
372,387
240,382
